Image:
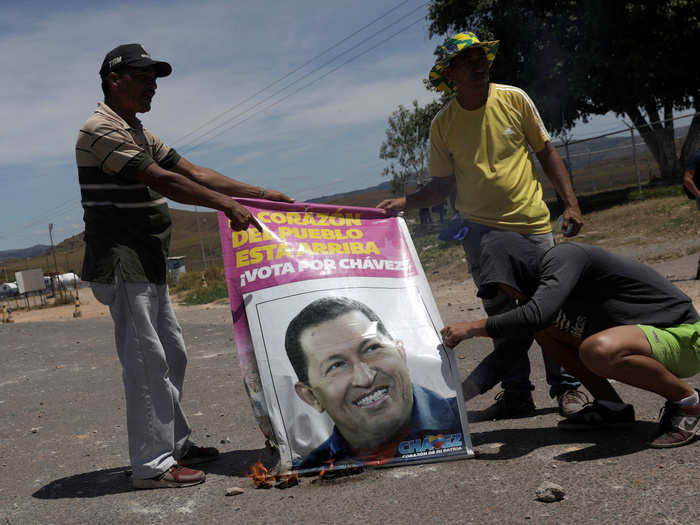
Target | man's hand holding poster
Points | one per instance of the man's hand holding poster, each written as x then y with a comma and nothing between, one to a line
338,338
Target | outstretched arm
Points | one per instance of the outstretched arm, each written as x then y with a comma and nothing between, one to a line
180,188
560,271
452,334
437,190
554,168
222,184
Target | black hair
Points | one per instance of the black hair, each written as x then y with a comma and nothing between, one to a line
315,313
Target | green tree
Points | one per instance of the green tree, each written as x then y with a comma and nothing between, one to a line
577,59
406,144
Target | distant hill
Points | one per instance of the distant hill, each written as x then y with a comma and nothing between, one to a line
384,186
69,253
23,253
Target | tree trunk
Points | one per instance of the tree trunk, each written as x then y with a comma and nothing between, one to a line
659,139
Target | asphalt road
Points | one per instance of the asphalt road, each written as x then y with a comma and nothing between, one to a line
63,451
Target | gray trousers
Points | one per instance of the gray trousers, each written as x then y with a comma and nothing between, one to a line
153,358
509,361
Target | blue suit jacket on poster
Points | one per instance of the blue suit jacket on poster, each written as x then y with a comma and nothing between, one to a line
431,414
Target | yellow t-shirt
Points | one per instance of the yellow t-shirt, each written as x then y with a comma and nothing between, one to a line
486,150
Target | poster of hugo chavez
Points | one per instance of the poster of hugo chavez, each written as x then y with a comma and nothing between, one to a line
338,340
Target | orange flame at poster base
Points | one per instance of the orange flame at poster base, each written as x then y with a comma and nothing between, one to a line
324,472
263,479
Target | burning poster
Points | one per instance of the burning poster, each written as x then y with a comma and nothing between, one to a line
338,339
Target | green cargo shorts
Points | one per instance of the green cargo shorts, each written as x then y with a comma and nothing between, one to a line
675,347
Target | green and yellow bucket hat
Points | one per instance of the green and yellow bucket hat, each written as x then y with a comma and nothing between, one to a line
451,48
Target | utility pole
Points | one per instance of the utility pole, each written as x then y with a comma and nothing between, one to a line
634,156
55,264
201,240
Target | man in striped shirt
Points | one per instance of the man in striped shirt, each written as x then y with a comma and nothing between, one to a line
479,145
126,173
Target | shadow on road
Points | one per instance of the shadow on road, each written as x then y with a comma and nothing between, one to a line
475,416
88,485
515,443
118,480
237,463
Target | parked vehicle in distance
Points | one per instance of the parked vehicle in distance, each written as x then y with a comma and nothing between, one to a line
9,290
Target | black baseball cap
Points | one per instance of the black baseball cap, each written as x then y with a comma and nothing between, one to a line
133,55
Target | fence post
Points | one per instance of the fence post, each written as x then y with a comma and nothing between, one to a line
636,166
201,239
634,155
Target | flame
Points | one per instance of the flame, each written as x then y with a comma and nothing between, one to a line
263,479
287,480
322,474
329,471
260,475
294,478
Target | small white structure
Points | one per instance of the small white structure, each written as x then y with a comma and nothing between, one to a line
69,280
30,280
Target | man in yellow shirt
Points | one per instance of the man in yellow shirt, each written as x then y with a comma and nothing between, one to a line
479,145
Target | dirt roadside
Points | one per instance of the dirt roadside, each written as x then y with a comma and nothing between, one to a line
89,308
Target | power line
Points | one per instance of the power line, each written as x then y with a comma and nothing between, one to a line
195,146
293,71
190,145
64,207
48,215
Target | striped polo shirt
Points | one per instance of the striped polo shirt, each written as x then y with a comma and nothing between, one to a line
126,222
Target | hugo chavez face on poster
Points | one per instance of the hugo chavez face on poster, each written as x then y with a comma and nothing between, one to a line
349,366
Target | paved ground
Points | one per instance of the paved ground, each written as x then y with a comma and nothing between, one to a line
63,456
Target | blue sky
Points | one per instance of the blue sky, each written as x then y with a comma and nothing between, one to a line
317,137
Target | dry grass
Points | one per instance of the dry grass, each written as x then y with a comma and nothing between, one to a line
650,230
656,220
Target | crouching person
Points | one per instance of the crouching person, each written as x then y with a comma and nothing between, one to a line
601,316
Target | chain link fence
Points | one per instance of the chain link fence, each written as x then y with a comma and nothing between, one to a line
615,160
